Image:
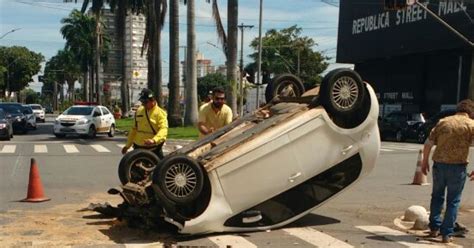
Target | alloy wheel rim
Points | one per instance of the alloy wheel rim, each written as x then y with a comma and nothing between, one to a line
345,92
180,180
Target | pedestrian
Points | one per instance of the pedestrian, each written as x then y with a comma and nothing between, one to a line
214,114
452,137
207,99
150,128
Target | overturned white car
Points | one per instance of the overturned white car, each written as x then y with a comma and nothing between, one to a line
264,170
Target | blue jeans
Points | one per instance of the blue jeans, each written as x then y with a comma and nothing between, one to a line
452,177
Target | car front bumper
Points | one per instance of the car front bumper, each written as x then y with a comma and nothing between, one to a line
74,129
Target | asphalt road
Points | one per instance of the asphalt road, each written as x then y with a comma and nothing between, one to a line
73,169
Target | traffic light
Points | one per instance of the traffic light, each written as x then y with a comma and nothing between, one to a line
397,4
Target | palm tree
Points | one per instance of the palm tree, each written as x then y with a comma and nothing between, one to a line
78,30
174,112
190,116
232,22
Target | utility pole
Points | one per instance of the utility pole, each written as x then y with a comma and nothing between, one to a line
241,100
259,60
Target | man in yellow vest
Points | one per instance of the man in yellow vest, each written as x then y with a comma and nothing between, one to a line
150,128
214,114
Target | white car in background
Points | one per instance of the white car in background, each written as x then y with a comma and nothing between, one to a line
85,120
38,110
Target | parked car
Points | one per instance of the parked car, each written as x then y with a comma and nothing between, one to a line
15,111
39,112
424,130
30,117
6,129
264,170
84,120
400,125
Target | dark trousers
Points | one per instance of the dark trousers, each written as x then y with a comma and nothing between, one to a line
158,149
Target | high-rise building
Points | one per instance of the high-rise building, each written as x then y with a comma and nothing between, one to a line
135,70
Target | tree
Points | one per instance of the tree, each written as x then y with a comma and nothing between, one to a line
209,82
18,64
286,51
78,30
232,23
174,111
191,115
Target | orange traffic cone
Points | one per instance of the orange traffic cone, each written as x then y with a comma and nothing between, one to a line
419,178
35,188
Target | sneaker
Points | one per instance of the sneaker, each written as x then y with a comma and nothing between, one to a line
433,234
447,239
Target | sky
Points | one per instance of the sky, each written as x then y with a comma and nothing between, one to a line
39,22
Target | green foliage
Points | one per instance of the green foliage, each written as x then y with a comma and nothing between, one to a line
30,96
209,82
18,65
280,55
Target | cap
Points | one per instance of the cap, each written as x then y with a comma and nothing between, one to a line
146,95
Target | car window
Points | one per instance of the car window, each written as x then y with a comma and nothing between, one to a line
97,112
78,111
27,110
12,108
105,111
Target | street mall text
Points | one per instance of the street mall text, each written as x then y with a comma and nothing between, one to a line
410,14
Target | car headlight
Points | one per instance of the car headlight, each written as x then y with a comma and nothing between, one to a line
82,121
3,125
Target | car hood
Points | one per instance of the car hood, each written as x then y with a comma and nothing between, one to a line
37,111
71,117
14,115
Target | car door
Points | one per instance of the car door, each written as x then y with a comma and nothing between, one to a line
97,119
107,119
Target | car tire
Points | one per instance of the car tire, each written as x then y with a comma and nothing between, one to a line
285,85
92,133
137,166
59,135
180,178
111,131
343,95
421,137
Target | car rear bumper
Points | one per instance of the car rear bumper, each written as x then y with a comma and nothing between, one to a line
75,129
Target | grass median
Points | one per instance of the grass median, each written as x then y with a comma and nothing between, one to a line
189,133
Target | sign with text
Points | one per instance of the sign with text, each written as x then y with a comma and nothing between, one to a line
368,31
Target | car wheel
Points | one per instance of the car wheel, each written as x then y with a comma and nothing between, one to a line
59,135
112,131
180,178
342,94
421,137
284,85
92,132
137,166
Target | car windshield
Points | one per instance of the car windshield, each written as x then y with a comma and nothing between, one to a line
36,107
78,111
11,108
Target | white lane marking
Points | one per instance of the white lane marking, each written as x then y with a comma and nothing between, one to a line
386,150
316,238
399,237
70,149
100,148
8,149
41,149
231,241
121,145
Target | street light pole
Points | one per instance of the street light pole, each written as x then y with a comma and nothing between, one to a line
241,100
11,31
259,60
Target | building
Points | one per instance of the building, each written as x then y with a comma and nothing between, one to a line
412,60
135,70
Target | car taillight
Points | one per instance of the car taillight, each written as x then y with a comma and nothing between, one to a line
3,125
